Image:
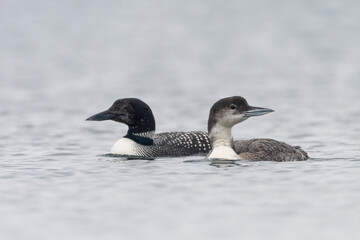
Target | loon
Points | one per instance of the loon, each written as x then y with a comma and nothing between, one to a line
227,112
141,140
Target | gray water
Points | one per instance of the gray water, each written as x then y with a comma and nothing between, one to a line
62,61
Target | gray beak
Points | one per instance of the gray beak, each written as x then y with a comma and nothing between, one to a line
257,111
106,115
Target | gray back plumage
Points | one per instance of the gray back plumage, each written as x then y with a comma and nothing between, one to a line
268,150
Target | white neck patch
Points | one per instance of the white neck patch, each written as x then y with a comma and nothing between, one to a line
145,134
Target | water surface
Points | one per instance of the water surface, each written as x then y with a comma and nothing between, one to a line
63,61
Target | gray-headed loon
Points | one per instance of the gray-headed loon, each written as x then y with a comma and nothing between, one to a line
227,112
141,139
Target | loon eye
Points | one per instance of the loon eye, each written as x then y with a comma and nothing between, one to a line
232,106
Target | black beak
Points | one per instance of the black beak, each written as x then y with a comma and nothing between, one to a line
106,115
257,111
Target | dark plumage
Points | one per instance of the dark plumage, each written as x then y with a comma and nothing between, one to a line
133,112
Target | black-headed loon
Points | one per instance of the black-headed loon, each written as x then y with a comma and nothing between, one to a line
227,112
141,139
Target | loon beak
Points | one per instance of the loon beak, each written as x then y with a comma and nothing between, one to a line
105,115
257,111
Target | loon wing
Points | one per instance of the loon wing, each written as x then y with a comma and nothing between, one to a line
268,150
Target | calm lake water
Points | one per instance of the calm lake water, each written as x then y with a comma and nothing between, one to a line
63,61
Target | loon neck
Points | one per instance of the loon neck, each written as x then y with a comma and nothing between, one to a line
141,124
220,136
143,138
222,143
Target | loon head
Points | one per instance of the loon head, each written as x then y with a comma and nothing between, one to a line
224,114
133,112
232,110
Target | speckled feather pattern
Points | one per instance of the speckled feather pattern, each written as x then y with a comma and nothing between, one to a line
176,144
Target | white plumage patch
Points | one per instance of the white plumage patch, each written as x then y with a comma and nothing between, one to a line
125,146
223,152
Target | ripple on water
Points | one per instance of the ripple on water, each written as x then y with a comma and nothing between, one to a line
62,154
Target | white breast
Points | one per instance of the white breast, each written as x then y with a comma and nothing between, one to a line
223,152
125,146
